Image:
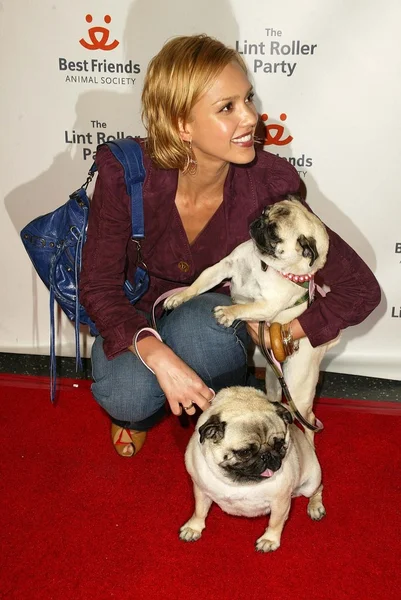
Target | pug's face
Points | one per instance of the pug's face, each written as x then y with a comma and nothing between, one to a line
246,444
290,238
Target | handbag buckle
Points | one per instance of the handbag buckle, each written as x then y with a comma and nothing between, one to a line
139,258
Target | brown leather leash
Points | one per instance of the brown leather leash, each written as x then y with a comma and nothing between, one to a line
279,374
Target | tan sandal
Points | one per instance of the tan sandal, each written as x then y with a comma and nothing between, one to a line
127,442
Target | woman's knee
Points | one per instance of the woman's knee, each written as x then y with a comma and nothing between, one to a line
195,317
212,350
126,389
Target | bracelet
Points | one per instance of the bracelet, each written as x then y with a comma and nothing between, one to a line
290,346
281,341
288,340
135,340
276,342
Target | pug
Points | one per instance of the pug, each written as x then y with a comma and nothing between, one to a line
247,456
268,274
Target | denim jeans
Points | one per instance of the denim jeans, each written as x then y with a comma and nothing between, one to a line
130,393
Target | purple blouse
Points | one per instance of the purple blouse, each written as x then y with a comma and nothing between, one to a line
109,255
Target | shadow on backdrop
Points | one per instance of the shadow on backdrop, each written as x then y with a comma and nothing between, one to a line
149,25
339,222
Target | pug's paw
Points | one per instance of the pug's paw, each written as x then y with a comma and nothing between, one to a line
316,510
188,534
225,315
176,300
263,544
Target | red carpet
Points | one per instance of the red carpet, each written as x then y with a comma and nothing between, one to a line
78,522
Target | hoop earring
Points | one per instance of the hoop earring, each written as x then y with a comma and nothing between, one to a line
191,164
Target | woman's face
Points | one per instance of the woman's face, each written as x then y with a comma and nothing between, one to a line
223,121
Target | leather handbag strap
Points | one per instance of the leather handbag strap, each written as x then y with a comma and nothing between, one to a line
128,152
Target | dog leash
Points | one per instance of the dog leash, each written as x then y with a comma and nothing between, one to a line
277,370
167,295
160,299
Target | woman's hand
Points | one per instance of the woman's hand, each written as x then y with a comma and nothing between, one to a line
253,330
181,385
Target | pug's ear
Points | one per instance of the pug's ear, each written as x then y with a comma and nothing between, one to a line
309,249
213,429
294,197
283,412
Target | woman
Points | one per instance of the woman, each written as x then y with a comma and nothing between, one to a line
204,185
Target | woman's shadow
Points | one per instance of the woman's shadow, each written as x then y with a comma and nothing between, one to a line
335,219
350,231
149,25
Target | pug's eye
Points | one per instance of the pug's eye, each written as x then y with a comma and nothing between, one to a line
278,444
244,453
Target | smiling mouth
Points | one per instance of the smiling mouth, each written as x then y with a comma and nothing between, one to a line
244,139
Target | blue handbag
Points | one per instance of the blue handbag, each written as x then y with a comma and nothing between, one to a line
54,244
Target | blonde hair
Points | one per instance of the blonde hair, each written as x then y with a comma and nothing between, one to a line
177,76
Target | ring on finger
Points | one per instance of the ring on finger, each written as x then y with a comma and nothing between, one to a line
188,407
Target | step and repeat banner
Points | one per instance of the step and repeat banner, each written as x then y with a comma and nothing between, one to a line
328,88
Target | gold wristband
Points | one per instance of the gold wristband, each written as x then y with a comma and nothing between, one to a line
288,341
276,342
290,346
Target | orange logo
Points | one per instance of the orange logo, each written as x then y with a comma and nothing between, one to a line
99,36
274,132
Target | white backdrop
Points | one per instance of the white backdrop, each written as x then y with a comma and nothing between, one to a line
327,79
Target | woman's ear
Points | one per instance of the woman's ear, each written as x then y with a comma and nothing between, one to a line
185,135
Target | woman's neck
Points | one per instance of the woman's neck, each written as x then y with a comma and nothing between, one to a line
205,183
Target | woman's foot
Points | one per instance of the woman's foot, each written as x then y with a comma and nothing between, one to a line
127,442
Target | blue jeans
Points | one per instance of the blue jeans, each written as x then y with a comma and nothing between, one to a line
130,393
